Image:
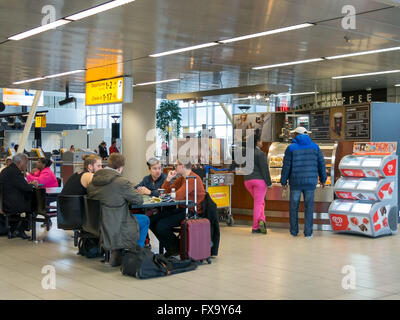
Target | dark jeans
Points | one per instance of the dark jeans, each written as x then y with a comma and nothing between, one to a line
308,212
161,225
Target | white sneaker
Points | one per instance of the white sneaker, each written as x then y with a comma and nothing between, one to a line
309,237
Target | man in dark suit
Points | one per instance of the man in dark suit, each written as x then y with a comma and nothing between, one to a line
17,192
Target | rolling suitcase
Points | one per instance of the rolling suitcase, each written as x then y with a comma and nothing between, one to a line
195,232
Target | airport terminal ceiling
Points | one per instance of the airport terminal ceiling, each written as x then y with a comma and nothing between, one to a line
127,35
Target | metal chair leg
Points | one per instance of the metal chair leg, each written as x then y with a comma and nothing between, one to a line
8,227
33,228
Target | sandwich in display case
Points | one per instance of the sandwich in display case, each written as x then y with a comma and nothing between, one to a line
367,191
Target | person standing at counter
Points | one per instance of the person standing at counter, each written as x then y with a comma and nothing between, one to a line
256,183
303,163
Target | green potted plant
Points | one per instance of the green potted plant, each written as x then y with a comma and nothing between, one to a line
168,113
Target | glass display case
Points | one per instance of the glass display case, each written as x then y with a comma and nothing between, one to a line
375,166
276,154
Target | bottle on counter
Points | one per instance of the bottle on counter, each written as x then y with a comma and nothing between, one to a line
173,194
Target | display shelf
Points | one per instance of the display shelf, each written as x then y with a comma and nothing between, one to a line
367,192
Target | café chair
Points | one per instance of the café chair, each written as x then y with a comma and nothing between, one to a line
91,223
8,216
70,213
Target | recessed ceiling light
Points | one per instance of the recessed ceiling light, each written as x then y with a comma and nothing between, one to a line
288,63
362,53
155,82
204,45
29,80
397,85
38,30
100,8
266,33
365,74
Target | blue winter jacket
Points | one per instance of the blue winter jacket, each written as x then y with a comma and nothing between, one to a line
302,164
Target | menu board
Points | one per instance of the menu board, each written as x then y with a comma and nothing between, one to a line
319,124
357,122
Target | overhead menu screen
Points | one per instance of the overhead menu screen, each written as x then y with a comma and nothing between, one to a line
319,124
357,122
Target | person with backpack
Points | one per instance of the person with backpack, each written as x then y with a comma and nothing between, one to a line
303,163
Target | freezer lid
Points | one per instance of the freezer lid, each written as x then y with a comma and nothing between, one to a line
361,208
367,185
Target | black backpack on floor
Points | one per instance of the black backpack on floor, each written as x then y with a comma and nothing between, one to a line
89,247
141,263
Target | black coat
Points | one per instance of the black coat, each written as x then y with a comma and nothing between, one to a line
151,185
17,192
210,212
103,152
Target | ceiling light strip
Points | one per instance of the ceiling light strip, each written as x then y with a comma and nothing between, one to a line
64,74
29,80
365,74
155,82
200,46
362,53
288,63
38,30
269,32
100,8
293,94
50,76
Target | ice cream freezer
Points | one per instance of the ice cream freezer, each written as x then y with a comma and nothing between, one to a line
364,217
375,166
371,189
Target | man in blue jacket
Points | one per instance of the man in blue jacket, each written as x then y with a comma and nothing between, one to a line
302,165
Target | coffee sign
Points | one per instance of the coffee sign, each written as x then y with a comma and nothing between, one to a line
358,97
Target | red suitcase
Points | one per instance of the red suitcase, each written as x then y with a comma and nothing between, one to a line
195,233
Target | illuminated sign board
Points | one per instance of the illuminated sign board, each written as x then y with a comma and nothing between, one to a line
104,91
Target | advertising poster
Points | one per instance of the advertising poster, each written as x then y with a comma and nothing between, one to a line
20,97
337,123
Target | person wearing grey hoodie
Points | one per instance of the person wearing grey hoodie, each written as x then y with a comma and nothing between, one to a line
119,228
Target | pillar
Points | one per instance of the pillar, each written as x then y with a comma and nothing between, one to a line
138,118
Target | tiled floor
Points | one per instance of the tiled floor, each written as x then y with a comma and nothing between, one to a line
249,266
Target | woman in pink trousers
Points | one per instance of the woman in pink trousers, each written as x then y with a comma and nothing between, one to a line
257,182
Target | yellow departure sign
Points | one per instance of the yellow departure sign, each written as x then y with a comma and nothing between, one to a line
40,122
104,91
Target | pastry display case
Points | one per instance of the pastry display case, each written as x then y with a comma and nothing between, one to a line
276,154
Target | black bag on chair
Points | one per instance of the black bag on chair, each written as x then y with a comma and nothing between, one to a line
141,263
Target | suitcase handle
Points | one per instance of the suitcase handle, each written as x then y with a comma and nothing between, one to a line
187,197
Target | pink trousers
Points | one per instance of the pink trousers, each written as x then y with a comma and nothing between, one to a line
257,189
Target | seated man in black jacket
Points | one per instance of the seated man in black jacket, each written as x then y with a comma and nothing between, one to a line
151,183
17,192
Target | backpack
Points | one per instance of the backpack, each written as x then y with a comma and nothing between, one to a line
141,263
89,247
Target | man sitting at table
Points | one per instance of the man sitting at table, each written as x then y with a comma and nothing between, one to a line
151,183
17,193
161,224
119,228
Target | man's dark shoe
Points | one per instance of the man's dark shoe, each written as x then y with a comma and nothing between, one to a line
19,234
173,251
115,258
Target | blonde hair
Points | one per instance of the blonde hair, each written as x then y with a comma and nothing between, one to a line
89,159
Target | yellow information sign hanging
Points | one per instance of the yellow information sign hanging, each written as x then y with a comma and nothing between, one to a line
40,122
104,91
